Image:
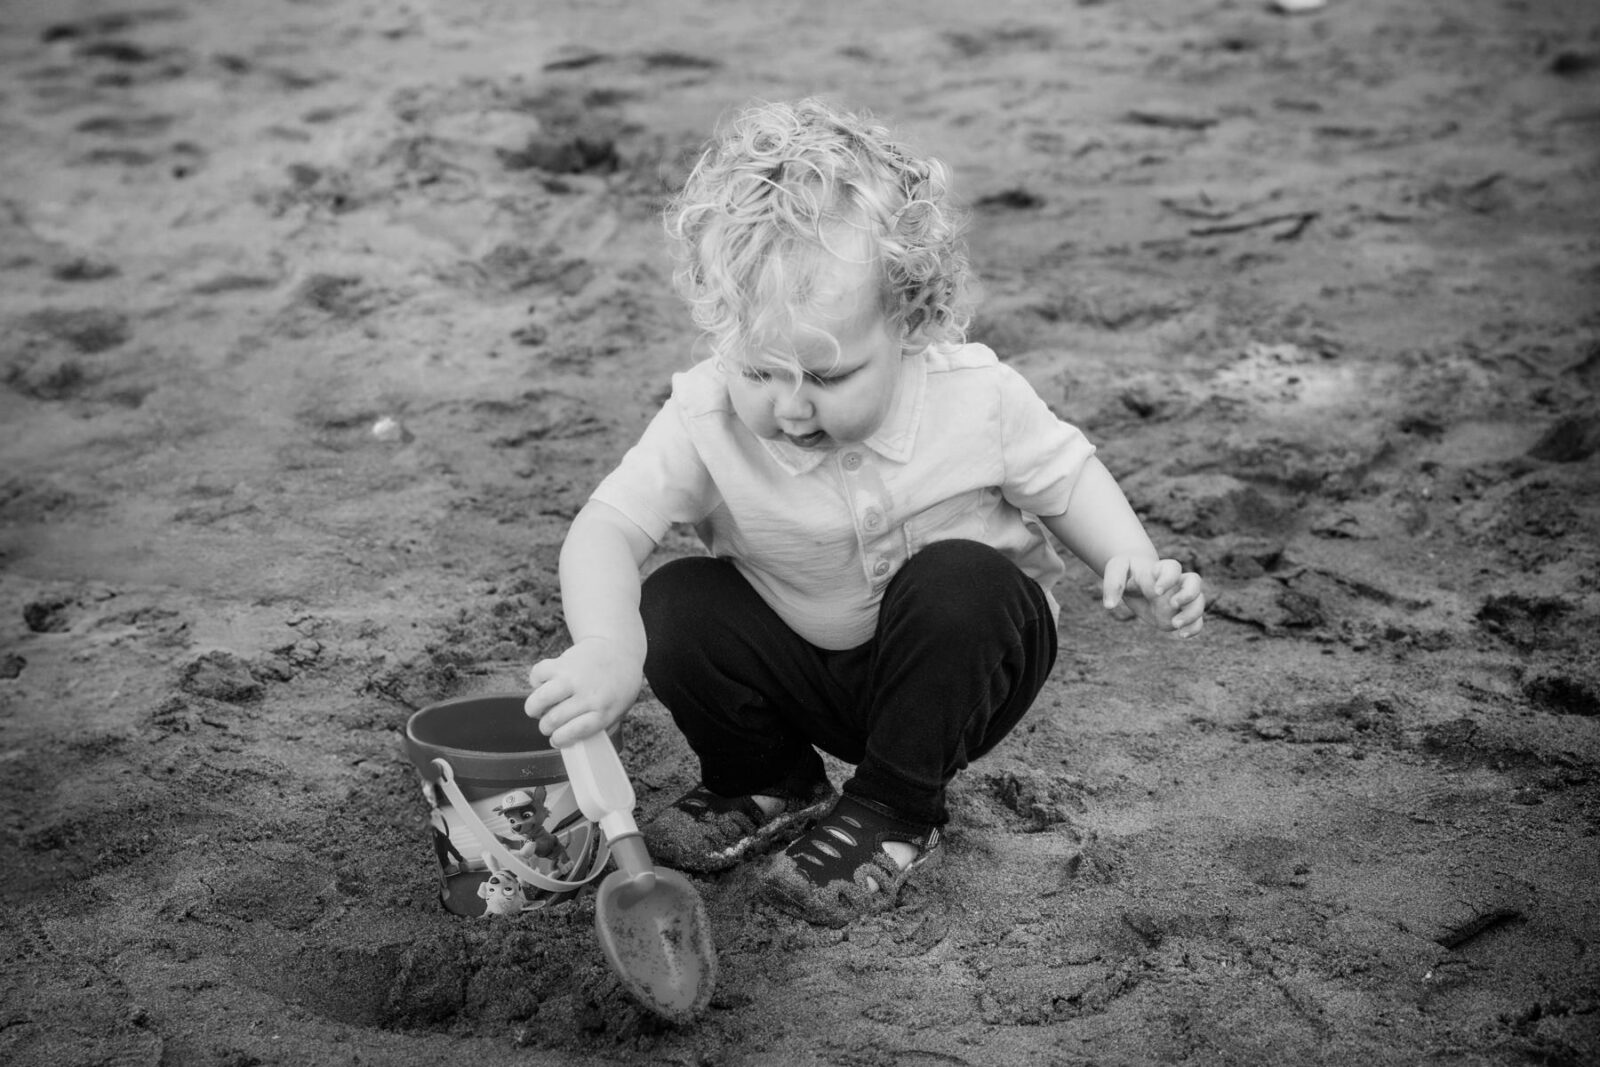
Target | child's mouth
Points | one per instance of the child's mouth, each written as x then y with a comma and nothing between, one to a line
814,439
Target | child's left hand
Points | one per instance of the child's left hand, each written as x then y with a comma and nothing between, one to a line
1162,593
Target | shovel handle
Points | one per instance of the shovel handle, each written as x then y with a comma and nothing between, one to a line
600,783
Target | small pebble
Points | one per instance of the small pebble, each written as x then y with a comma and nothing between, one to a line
390,429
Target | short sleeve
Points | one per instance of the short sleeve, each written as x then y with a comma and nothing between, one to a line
1043,455
662,479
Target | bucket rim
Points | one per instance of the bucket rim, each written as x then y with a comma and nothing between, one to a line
456,703
544,753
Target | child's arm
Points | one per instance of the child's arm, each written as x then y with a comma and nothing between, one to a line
1100,528
590,686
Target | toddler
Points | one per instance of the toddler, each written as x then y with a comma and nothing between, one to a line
873,493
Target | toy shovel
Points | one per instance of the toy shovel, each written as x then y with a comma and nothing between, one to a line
651,923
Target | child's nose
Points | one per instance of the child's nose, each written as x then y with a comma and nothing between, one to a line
791,403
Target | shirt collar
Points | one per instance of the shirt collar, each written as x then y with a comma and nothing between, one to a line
893,440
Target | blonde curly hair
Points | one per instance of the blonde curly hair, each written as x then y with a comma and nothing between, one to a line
780,186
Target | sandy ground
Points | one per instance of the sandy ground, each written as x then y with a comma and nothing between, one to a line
1325,288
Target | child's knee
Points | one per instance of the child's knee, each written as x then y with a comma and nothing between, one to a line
967,596
967,581
956,556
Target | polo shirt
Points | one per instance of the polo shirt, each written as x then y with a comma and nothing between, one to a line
967,450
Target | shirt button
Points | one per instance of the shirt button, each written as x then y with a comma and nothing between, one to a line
852,461
881,568
874,519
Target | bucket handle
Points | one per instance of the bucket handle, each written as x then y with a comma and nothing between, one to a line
503,855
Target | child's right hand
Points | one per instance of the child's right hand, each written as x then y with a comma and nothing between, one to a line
584,690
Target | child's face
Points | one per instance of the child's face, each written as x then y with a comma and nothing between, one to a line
842,395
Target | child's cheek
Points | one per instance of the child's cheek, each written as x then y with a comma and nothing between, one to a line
749,404
852,417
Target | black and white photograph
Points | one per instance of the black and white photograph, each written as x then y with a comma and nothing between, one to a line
567,533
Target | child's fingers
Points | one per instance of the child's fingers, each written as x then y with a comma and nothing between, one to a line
1191,629
541,672
579,727
1186,622
554,722
1114,581
1168,573
1189,587
543,700
1143,577
1188,613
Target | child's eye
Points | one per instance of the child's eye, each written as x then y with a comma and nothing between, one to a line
827,380
752,374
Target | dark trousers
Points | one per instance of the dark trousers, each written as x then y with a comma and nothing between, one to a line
964,642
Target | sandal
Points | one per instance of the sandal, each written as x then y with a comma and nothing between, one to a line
839,870
704,832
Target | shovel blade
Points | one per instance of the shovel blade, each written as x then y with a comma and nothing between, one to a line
658,942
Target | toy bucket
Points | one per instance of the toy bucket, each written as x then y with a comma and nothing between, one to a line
506,827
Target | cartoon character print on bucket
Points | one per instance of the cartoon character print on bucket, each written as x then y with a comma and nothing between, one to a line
502,892
531,840
507,833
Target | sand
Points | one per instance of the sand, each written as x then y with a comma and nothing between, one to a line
321,319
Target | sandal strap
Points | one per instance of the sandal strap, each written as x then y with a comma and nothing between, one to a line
705,831
851,836
702,805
